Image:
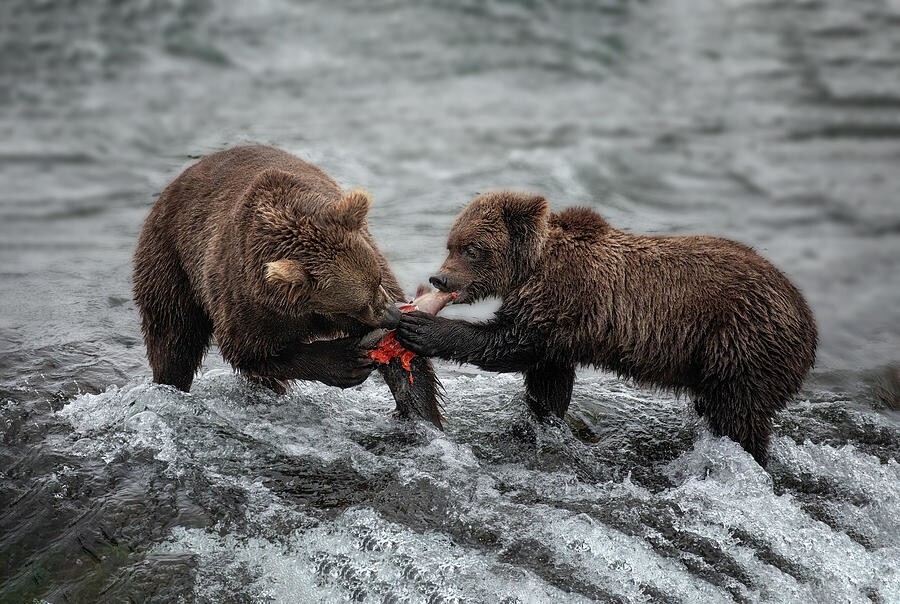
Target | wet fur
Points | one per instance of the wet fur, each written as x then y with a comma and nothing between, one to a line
702,315
265,253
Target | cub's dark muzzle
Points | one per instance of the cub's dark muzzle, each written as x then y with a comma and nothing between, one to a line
442,282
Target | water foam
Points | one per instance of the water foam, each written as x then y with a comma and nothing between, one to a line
338,500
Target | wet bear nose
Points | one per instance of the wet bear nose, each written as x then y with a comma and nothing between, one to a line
440,282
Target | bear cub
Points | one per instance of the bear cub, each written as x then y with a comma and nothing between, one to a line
703,315
268,255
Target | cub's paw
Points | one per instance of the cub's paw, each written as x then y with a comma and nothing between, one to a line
423,333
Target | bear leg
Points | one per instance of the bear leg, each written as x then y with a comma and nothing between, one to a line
275,385
341,362
176,330
700,406
743,418
548,388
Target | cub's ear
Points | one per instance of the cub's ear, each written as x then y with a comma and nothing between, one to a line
351,211
521,210
290,275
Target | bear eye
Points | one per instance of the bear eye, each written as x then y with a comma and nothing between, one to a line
470,252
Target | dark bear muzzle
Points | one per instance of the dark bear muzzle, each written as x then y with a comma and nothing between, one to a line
390,318
442,282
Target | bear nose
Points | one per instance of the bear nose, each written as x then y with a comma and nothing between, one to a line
440,282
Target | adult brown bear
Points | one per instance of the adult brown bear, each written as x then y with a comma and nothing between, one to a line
266,253
699,314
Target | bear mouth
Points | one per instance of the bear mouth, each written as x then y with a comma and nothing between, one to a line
461,296
327,336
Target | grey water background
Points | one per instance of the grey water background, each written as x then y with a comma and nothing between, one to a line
774,123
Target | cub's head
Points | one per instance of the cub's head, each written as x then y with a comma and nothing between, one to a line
494,245
316,260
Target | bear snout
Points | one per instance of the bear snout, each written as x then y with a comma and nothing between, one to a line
390,318
442,282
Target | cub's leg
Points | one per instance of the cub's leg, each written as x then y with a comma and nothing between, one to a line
743,416
548,388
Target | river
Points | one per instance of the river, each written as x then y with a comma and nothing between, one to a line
773,123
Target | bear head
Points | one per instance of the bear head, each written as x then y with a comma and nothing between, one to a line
494,245
309,255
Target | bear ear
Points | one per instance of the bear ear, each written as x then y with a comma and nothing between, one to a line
524,211
273,178
284,271
266,193
289,275
272,183
351,211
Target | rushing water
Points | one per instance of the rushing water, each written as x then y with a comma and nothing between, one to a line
775,123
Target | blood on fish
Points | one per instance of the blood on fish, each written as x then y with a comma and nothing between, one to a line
389,348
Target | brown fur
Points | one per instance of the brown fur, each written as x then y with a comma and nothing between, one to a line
266,253
704,315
